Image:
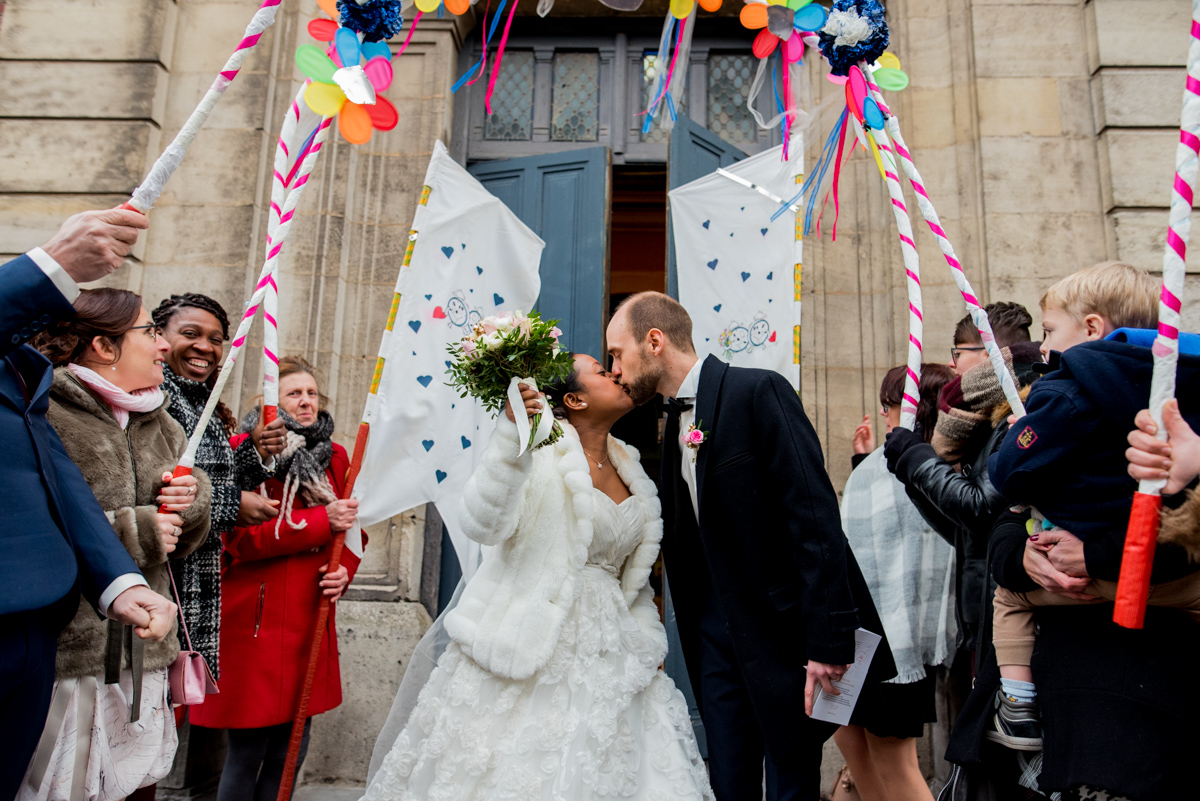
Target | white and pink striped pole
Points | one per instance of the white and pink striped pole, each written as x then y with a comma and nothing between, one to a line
1133,584
978,315
152,186
260,289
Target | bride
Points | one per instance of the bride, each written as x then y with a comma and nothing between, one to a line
549,687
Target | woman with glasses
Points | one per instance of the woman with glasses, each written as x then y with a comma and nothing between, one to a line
105,740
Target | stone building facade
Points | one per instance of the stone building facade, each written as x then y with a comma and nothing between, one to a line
1044,129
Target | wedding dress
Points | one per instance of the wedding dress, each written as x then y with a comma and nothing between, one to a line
598,720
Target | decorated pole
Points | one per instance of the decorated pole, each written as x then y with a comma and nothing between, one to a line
978,315
1133,585
148,192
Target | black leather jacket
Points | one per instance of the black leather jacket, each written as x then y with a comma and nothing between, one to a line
962,507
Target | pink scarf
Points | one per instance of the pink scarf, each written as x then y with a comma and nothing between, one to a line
120,401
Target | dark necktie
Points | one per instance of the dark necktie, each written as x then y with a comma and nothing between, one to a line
676,407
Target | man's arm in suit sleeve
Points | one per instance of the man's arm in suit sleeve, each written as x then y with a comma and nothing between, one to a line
105,568
33,294
796,476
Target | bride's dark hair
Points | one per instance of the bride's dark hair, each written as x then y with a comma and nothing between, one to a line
556,391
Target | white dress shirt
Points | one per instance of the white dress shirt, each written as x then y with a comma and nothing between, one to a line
688,391
70,290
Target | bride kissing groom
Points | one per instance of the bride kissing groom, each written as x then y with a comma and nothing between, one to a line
550,686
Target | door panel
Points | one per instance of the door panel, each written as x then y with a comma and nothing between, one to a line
694,152
564,198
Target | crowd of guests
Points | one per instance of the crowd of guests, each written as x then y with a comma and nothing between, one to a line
991,545
1011,523
226,564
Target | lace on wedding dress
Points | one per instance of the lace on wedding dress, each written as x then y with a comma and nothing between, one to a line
599,720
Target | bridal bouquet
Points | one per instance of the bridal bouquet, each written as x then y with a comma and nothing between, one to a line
502,352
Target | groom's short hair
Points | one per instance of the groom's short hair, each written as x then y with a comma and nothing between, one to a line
647,310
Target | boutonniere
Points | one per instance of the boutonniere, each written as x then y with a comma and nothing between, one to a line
695,437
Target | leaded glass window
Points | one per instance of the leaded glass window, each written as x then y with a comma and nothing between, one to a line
729,79
575,101
512,102
651,87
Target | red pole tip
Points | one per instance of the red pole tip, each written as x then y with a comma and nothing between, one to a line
1137,561
180,470
269,414
127,206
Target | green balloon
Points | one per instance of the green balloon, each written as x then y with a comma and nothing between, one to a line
315,64
890,79
796,5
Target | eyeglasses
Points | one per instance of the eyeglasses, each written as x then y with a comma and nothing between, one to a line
956,352
152,331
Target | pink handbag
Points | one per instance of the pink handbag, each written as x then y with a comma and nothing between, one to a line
188,677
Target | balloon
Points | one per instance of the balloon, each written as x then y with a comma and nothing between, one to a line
383,114
711,5
334,57
428,6
323,30
315,64
324,98
355,124
889,61
856,88
810,18
796,5
347,47
372,50
872,116
765,43
840,80
793,48
852,104
681,8
753,16
329,7
891,79
379,72
458,7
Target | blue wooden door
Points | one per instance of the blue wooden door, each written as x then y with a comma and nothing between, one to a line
693,152
564,198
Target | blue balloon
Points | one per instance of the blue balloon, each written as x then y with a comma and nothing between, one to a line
372,50
348,49
872,116
810,18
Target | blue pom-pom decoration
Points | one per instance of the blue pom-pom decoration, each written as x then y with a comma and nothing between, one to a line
863,14
376,20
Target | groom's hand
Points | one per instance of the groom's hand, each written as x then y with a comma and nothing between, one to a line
826,675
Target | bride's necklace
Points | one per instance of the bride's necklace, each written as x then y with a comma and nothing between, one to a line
599,465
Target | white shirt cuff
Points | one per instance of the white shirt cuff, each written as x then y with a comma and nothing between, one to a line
54,271
119,585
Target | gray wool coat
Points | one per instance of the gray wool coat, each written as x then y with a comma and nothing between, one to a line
124,469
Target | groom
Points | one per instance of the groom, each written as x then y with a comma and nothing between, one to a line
766,592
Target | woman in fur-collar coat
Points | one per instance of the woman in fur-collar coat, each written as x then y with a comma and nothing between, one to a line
550,687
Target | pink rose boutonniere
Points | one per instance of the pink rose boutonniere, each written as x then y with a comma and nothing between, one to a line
695,437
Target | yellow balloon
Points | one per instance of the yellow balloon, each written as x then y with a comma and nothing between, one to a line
681,8
428,6
324,98
889,61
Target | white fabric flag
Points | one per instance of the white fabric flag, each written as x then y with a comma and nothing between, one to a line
739,272
471,258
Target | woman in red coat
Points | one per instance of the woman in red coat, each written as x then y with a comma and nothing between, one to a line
272,578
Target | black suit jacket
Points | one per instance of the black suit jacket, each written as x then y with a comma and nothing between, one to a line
770,537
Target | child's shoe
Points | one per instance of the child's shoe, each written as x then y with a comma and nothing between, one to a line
1016,724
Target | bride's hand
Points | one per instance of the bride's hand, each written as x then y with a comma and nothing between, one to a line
533,402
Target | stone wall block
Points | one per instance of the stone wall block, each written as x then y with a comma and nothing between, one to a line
1146,33
1004,34
1142,164
74,156
1141,237
112,90
1020,174
210,31
1075,103
1019,107
98,30
202,236
27,221
1035,245
1138,98
221,169
242,106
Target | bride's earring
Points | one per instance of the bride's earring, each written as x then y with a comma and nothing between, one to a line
583,405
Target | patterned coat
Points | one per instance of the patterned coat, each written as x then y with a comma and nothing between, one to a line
198,576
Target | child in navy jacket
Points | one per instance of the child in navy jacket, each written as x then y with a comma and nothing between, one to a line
1066,458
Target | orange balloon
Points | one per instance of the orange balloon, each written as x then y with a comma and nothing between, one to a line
457,7
710,5
764,44
383,114
754,16
355,124
329,7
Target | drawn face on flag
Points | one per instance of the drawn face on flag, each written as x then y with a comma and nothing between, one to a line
472,257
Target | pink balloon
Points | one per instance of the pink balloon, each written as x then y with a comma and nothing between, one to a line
858,89
379,73
838,79
793,48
